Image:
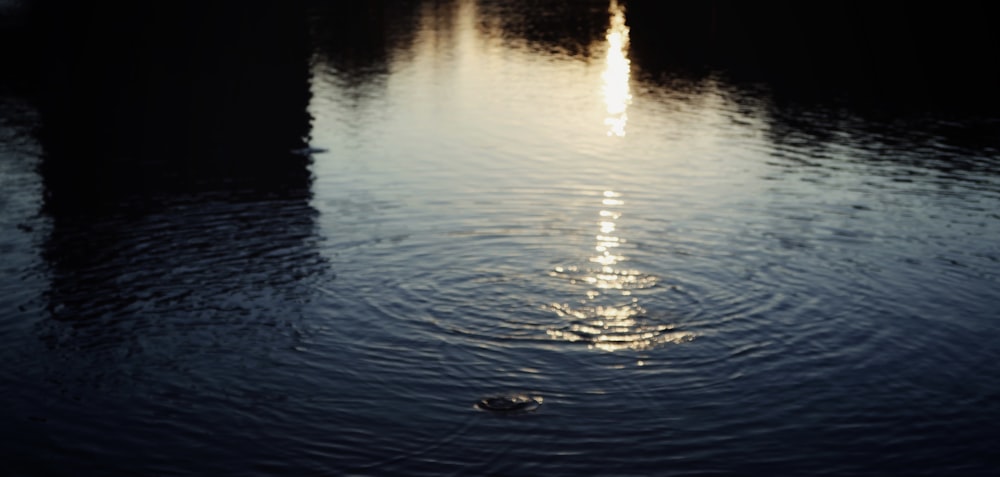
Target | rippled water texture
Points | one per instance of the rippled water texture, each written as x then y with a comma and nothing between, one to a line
698,273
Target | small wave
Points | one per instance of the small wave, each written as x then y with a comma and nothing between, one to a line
606,278
612,328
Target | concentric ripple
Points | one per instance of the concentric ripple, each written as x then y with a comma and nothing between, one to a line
612,328
610,318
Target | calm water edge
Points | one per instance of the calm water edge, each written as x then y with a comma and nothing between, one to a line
311,249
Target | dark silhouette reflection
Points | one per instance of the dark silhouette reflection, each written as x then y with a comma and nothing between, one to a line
15,26
358,40
890,82
178,193
550,26
957,150
183,96
900,53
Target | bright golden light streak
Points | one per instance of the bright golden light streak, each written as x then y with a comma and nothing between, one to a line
617,96
622,323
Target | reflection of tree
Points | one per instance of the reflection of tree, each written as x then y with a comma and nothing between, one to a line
14,29
960,147
885,51
359,39
176,203
182,96
547,25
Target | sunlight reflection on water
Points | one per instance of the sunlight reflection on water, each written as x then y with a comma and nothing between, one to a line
616,74
610,318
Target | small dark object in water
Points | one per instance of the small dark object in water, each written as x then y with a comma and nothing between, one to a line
308,151
510,404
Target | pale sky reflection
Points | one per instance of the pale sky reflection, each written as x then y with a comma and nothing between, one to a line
617,96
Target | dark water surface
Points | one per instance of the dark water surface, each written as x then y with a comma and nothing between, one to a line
699,273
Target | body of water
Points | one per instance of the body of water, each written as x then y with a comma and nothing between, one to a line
698,274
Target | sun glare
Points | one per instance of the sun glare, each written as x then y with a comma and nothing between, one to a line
617,96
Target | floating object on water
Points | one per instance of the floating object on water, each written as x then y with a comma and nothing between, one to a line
511,404
308,151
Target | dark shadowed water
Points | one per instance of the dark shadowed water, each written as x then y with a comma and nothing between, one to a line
319,254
